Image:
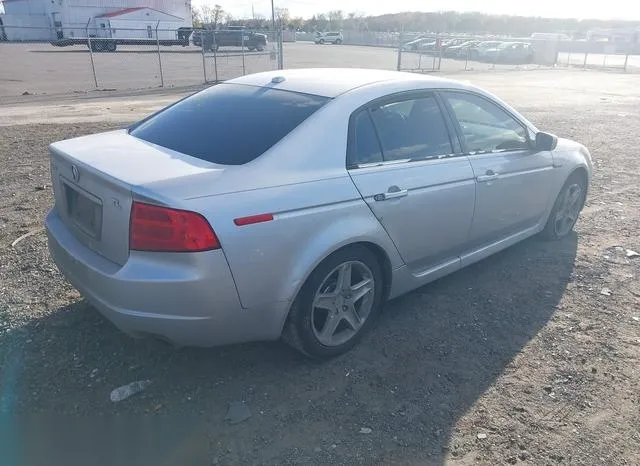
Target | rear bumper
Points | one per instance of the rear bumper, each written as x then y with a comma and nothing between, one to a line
188,299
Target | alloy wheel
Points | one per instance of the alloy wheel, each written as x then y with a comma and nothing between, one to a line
567,213
342,303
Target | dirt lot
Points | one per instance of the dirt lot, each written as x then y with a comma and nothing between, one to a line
529,357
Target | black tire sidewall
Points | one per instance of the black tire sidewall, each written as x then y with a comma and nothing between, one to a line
302,307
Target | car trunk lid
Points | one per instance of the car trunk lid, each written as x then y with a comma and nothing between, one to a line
94,178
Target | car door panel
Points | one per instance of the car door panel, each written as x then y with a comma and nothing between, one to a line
512,193
431,223
513,181
419,188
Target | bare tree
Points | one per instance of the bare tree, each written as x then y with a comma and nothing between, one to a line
282,16
335,19
217,15
196,17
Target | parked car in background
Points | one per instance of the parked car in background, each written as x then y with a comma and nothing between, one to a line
478,51
448,43
233,36
329,38
461,51
554,36
230,216
422,43
510,52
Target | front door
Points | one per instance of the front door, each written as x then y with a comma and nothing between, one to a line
513,182
404,162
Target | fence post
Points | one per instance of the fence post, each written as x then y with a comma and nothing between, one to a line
215,55
584,65
244,69
159,57
626,60
435,51
466,61
204,62
280,47
400,53
93,66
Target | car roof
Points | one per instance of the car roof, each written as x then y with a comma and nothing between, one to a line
331,82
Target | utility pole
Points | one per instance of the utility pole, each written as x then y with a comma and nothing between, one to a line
273,16
253,13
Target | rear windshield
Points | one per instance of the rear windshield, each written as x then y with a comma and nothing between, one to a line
228,124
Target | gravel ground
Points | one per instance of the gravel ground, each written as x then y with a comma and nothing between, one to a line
528,357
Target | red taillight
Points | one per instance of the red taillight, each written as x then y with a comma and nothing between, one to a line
156,228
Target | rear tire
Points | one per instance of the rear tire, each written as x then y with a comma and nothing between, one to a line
566,209
338,41
331,314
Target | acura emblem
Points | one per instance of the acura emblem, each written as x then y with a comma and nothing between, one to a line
75,173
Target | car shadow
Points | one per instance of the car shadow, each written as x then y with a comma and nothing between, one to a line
433,354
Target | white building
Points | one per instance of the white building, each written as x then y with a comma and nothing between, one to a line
57,19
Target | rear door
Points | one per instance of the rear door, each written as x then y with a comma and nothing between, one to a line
409,170
513,180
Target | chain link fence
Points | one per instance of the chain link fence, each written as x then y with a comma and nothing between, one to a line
77,60
449,53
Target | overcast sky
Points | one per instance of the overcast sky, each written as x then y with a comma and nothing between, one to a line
601,9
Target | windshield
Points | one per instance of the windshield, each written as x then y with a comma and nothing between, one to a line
229,124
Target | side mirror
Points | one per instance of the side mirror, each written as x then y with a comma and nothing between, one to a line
546,141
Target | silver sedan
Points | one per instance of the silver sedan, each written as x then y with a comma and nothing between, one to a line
295,203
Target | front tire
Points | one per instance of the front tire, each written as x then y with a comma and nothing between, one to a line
321,41
566,209
337,304
338,41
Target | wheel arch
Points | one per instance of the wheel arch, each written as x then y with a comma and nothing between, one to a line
382,254
580,171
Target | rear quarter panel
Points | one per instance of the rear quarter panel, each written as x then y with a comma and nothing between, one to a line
271,260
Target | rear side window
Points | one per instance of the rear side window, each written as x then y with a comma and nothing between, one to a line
412,129
229,124
366,147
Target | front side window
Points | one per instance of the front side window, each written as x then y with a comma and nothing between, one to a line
485,126
412,129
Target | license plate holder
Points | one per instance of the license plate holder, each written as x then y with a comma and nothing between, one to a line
84,210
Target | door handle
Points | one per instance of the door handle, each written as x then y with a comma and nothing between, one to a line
391,195
489,176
